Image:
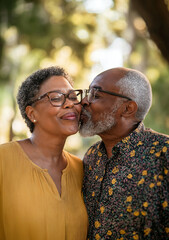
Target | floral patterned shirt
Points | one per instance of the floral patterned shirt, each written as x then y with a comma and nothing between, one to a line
127,196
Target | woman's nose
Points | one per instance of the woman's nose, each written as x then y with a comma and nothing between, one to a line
68,103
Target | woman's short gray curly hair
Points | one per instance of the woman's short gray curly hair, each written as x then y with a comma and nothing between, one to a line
31,86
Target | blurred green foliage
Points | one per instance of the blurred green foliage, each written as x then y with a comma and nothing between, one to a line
39,33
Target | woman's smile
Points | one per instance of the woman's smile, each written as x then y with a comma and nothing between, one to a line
70,116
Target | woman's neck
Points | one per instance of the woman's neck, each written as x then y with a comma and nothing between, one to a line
50,149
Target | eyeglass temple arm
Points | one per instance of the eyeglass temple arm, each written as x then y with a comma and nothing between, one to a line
86,91
39,98
115,94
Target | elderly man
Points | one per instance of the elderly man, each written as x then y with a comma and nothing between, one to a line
126,188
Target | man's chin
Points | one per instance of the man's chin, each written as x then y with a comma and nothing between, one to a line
85,134
89,129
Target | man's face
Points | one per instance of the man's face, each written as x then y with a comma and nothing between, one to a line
99,115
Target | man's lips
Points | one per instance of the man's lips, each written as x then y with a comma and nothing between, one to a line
69,116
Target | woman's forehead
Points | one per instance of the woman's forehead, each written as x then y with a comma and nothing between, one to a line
55,83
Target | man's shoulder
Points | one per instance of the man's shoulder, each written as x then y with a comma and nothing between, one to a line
154,136
92,150
153,132
154,143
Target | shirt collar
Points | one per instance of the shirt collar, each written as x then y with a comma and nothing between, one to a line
131,139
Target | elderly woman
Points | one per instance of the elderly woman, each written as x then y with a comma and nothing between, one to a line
40,183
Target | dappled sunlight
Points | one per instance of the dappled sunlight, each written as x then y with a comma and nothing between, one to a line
73,142
6,115
83,34
139,24
136,58
153,74
55,12
18,126
110,57
18,52
63,58
97,6
11,35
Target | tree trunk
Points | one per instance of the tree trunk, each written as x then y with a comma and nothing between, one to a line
156,15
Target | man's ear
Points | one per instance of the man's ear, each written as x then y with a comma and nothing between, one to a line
30,112
129,109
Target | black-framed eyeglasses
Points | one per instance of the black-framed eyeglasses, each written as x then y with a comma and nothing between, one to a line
92,94
57,98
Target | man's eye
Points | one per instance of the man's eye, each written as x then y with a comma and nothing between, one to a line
96,96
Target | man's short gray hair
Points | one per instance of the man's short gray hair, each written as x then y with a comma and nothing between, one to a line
136,86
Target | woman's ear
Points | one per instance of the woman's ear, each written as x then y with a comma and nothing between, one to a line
30,112
129,109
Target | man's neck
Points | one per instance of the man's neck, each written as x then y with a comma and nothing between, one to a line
113,136
109,144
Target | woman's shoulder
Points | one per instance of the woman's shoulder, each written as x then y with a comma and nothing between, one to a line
73,160
72,156
75,166
9,150
6,147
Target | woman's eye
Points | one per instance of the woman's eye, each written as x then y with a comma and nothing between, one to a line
73,97
56,99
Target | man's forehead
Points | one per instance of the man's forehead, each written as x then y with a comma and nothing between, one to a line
107,79
102,82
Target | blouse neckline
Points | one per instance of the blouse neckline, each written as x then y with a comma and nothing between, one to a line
35,165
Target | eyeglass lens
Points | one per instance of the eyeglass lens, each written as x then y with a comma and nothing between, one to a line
57,99
91,94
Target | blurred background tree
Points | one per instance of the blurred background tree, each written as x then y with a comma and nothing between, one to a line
85,37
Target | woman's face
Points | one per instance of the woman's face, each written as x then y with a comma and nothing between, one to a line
62,120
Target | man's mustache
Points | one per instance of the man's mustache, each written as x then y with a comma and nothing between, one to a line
85,113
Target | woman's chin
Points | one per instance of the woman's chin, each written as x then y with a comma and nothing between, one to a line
72,130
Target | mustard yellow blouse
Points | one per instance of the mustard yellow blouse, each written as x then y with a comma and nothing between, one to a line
30,205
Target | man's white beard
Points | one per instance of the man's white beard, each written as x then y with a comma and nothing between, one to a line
91,129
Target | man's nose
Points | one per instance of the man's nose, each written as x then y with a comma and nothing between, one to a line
85,102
